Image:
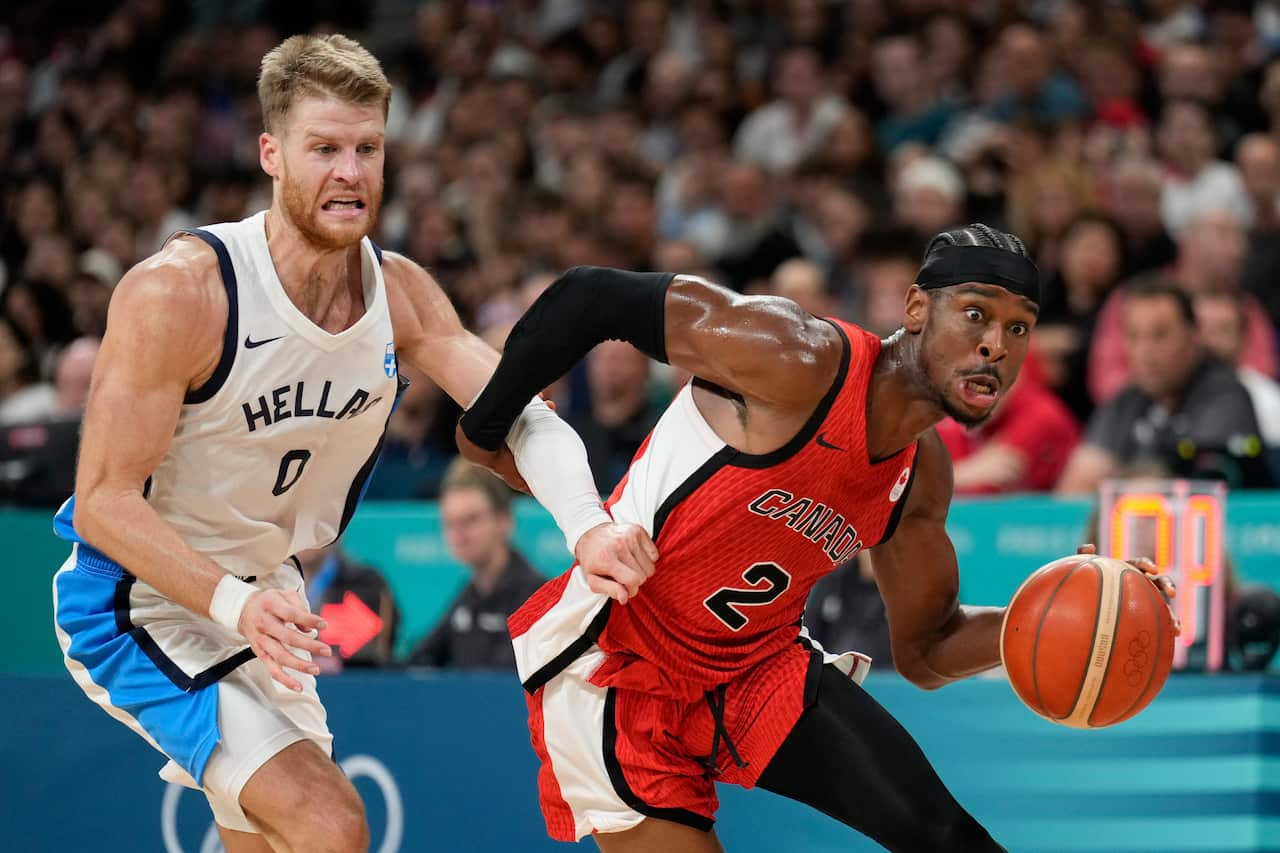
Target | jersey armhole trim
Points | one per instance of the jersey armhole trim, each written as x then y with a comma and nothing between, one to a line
230,337
810,428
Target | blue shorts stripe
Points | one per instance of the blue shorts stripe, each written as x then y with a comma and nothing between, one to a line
93,611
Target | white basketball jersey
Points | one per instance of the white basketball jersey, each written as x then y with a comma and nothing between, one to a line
271,455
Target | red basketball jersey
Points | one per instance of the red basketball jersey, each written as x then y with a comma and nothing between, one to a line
742,539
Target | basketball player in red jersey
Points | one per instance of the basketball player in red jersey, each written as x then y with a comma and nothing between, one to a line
800,442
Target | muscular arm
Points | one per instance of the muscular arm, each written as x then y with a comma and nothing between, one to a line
163,338
935,639
764,349
549,455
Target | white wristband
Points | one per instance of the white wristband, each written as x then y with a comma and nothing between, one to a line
229,598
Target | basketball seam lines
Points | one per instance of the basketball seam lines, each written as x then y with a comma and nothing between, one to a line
1035,646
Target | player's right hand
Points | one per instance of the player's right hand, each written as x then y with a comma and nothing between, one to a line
616,558
275,621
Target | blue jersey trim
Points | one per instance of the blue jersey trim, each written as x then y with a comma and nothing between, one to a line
360,484
230,337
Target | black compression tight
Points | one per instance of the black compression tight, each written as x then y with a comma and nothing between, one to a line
848,758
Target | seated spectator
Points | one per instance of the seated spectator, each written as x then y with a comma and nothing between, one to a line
22,398
38,452
1131,196
475,512
1195,180
622,410
1022,447
1183,409
902,81
758,237
888,268
1092,260
357,602
1222,322
1211,254
1258,158
846,613
783,132
928,196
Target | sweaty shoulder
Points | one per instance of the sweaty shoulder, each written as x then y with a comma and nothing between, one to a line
173,305
764,347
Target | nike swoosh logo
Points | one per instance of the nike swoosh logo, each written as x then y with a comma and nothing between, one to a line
250,343
822,442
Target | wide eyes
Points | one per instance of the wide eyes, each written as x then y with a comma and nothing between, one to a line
975,315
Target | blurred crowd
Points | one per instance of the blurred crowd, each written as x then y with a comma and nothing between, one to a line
797,147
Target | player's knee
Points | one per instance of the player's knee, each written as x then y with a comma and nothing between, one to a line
339,826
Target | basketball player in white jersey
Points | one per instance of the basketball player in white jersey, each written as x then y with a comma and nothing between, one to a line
237,407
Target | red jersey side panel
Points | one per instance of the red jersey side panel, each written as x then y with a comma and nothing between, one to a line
742,540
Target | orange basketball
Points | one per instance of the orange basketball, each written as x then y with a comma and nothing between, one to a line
1087,641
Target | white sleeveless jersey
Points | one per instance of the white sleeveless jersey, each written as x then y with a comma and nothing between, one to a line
272,453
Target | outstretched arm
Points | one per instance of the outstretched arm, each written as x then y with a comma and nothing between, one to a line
544,453
763,348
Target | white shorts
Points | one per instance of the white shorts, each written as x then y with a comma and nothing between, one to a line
189,687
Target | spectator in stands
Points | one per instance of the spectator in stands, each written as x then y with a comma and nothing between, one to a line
887,270
780,134
358,604
929,196
902,81
1092,259
475,511
1223,323
801,282
1195,180
38,449
22,397
1211,255
622,410
1032,88
90,293
1022,447
1183,408
1258,158
1131,196
758,238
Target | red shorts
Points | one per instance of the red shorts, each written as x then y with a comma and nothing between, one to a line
617,745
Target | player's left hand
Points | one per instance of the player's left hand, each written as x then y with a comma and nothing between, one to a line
616,558
1164,583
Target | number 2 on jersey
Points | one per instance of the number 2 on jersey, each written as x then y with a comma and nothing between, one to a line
767,580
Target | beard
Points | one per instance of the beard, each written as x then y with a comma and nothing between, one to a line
322,235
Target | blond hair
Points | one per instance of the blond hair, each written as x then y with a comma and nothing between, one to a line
331,65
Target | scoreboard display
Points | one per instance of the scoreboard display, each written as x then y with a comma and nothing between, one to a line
1179,525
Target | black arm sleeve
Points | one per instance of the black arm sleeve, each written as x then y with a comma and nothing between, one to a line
583,307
